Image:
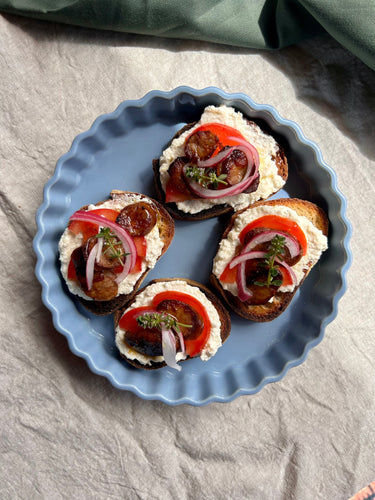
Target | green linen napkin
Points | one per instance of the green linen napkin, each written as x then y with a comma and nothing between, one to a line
259,24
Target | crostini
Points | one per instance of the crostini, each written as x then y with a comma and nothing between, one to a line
265,254
108,248
169,321
222,163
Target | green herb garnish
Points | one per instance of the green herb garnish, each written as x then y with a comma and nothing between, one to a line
159,320
276,251
111,245
205,177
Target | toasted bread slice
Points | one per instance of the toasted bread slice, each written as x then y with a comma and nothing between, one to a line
280,301
279,158
165,226
225,324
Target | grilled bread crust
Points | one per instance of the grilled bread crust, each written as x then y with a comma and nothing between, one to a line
271,310
221,310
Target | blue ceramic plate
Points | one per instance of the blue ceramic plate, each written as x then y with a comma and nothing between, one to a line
117,152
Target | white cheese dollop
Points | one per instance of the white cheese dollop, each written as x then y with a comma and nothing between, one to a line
270,181
145,299
316,243
69,242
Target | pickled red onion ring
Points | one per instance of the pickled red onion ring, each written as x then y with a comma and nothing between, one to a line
214,160
181,339
100,248
247,144
290,242
243,257
90,264
243,292
249,177
122,235
168,343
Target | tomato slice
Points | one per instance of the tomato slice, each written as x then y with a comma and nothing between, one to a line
141,245
137,268
228,275
174,195
287,278
128,321
72,275
89,229
278,223
192,347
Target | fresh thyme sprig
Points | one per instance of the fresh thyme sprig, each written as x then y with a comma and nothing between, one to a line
111,244
276,251
159,320
205,177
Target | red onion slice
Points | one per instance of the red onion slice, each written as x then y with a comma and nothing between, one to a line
90,264
243,292
168,343
290,242
100,248
249,177
122,235
181,339
214,160
243,257
253,150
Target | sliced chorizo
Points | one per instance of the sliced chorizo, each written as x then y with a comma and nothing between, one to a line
107,258
256,271
176,176
234,167
138,218
146,341
201,145
185,315
104,286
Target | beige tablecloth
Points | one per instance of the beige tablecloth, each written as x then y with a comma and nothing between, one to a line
66,432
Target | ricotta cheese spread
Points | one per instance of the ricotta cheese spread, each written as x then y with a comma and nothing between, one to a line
70,241
270,181
145,299
316,243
